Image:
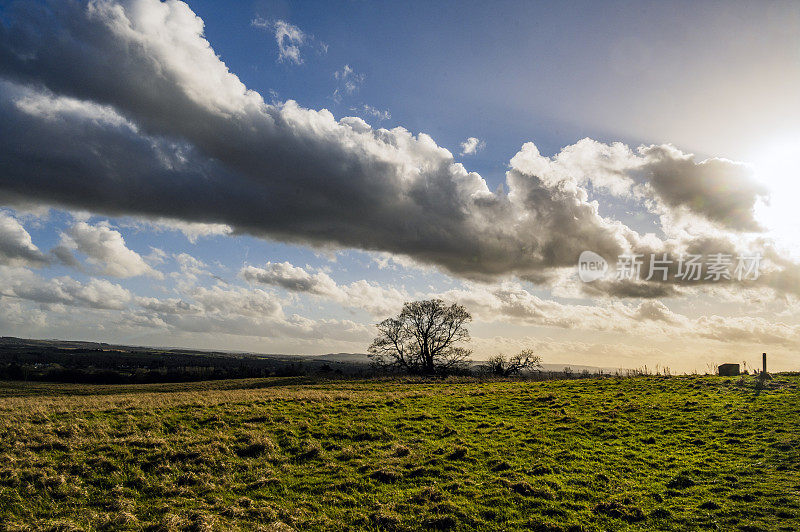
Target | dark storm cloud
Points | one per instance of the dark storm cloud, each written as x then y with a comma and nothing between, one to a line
196,144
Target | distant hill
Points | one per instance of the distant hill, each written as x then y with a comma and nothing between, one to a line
102,363
76,361
353,358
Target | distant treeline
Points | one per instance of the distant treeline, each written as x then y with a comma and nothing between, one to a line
86,364
93,375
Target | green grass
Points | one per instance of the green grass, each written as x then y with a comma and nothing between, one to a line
598,454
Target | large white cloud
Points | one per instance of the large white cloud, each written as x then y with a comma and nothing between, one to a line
105,249
22,283
721,191
376,299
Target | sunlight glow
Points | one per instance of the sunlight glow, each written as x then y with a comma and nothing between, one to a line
778,168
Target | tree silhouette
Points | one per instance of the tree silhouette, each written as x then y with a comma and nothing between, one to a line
505,367
422,338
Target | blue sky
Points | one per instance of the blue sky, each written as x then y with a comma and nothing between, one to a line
514,71
158,188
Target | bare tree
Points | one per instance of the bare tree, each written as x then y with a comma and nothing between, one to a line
505,367
422,338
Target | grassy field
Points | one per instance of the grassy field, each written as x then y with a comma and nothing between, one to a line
597,454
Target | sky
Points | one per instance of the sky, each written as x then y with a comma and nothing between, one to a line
610,184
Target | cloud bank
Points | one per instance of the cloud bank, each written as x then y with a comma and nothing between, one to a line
157,126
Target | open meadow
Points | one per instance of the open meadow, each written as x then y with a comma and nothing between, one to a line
284,265
643,452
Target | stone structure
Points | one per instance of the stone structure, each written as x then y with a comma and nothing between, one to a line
728,370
